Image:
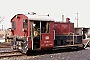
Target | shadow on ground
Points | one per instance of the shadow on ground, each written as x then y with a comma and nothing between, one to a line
33,53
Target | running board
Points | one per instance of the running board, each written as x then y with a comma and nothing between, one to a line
37,49
66,46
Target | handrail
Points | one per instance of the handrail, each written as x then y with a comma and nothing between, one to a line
73,38
87,43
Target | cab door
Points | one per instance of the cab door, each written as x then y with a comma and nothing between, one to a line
35,34
42,35
47,35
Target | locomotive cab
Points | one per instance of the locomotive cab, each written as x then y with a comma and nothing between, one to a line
37,29
31,32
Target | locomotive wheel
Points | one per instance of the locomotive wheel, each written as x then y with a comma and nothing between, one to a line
13,47
24,47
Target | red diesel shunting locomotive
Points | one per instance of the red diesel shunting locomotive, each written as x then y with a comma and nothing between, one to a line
35,32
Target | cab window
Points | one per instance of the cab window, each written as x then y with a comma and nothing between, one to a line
44,27
25,23
14,25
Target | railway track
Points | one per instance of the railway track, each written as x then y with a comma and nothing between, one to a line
10,54
5,45
6,51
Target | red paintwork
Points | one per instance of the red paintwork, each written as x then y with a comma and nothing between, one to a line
29,44
19,27
29,36
67,20
48,43
62,28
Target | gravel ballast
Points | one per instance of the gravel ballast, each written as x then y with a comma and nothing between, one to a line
70,55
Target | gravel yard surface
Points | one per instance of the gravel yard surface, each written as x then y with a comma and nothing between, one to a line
65,55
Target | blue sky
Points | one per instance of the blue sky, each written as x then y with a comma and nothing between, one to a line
56,8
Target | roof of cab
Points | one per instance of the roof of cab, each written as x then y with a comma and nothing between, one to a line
35,17
39,18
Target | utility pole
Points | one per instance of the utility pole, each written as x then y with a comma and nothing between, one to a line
2,27
77,19
2,19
